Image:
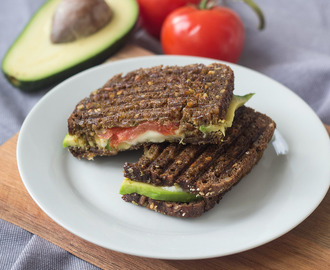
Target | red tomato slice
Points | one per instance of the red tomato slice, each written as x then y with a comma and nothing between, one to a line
118,134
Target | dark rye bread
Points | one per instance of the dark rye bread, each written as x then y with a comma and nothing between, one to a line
206,170
90,152
175,209
189,96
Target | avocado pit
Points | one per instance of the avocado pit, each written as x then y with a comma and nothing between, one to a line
75,19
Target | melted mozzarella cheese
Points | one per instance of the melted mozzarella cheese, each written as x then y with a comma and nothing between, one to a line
152,136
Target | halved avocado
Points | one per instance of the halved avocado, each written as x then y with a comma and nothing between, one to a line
33,62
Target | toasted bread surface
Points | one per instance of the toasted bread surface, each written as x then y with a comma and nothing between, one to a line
189,96
207,170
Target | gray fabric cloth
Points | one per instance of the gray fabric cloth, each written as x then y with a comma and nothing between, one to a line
294,49
21,250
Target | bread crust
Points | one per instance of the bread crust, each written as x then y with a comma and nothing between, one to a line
175,209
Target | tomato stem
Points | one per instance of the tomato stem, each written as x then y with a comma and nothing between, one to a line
258,11
208,4
203,4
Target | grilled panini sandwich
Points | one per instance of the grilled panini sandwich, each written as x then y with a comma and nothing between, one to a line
188,180
188,104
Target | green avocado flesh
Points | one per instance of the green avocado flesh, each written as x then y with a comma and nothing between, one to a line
236,102
34,62
172,194
71,140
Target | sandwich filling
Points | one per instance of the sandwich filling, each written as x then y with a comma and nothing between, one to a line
161,193
147,131
235,103
122,138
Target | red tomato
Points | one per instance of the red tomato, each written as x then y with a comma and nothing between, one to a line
118,135
154,12
215,33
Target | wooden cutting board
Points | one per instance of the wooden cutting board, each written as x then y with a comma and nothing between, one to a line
305,247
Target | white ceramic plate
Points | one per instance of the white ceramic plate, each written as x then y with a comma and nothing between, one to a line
82,196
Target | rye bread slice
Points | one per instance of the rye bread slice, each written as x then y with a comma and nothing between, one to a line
206,170
175,209
189,96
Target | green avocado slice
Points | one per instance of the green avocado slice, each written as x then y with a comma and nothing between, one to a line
72,140
170,194
236,102
68,141
33,62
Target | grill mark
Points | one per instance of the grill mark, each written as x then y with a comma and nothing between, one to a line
240,154
157,86
187,180
179,103
183,161
111,98
133,118
125,108
138,169
200,164
151,86
130,108
162,161
237,153
224,166
164,75
132,113
150,154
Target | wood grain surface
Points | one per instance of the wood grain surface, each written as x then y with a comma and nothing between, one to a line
305,247
327,127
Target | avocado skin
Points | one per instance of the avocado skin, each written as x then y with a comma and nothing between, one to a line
47,82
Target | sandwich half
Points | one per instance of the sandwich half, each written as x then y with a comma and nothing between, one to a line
187,104
188,180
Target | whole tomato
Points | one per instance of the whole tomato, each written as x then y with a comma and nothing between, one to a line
154,12
217,32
